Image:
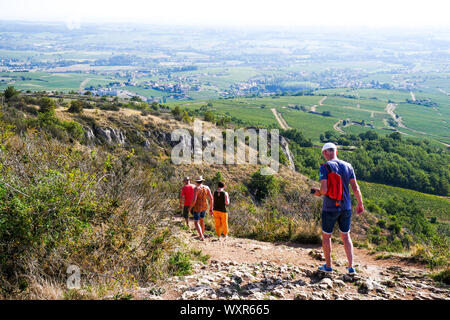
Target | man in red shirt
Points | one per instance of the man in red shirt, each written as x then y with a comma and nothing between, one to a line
187,192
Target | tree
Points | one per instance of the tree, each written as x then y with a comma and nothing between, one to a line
177,113
396,136
76,106
263,185
209,116
297,136
155,106
329,135
10,92
47,106
185,117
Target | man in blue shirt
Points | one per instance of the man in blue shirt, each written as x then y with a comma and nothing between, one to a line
331,213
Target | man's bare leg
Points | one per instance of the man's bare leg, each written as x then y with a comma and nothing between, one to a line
326,246
348,246
199,230
202,224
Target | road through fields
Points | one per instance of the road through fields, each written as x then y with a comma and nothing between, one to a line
283,124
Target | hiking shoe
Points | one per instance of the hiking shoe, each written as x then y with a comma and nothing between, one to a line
325,268
351,271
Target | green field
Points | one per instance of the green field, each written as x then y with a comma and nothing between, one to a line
434,206
312,125
41,81
424,122
372,94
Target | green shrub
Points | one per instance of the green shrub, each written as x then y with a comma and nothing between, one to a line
443,276
76,106
99,213
381,223
180,264
263,185
10,92
47,106
395,227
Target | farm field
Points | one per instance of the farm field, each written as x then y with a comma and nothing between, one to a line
42,81
434,206
425,120
372,94
420,121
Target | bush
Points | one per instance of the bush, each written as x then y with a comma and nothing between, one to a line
381,223
47,105
180,264
395,227
98,212
76,106
10,92
443,276
209,116
263,185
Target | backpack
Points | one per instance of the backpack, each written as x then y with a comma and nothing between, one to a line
335,187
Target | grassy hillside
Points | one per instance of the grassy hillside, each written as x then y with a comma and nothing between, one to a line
105,206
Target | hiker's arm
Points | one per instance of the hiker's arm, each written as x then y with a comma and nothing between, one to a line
227,199
194,198
211,201
323,175
181,199
323,188
358,195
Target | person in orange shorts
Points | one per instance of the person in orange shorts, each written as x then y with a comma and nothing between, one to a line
221,200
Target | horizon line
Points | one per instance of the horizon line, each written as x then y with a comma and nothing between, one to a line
230,26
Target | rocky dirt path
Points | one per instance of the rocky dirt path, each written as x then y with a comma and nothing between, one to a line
250,269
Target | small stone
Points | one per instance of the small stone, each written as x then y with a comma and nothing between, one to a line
366,286
301,296
325,296
278,293
327,282
339,283
389,283
350,278
316,254
300,283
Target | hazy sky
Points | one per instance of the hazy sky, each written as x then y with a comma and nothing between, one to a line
373,13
